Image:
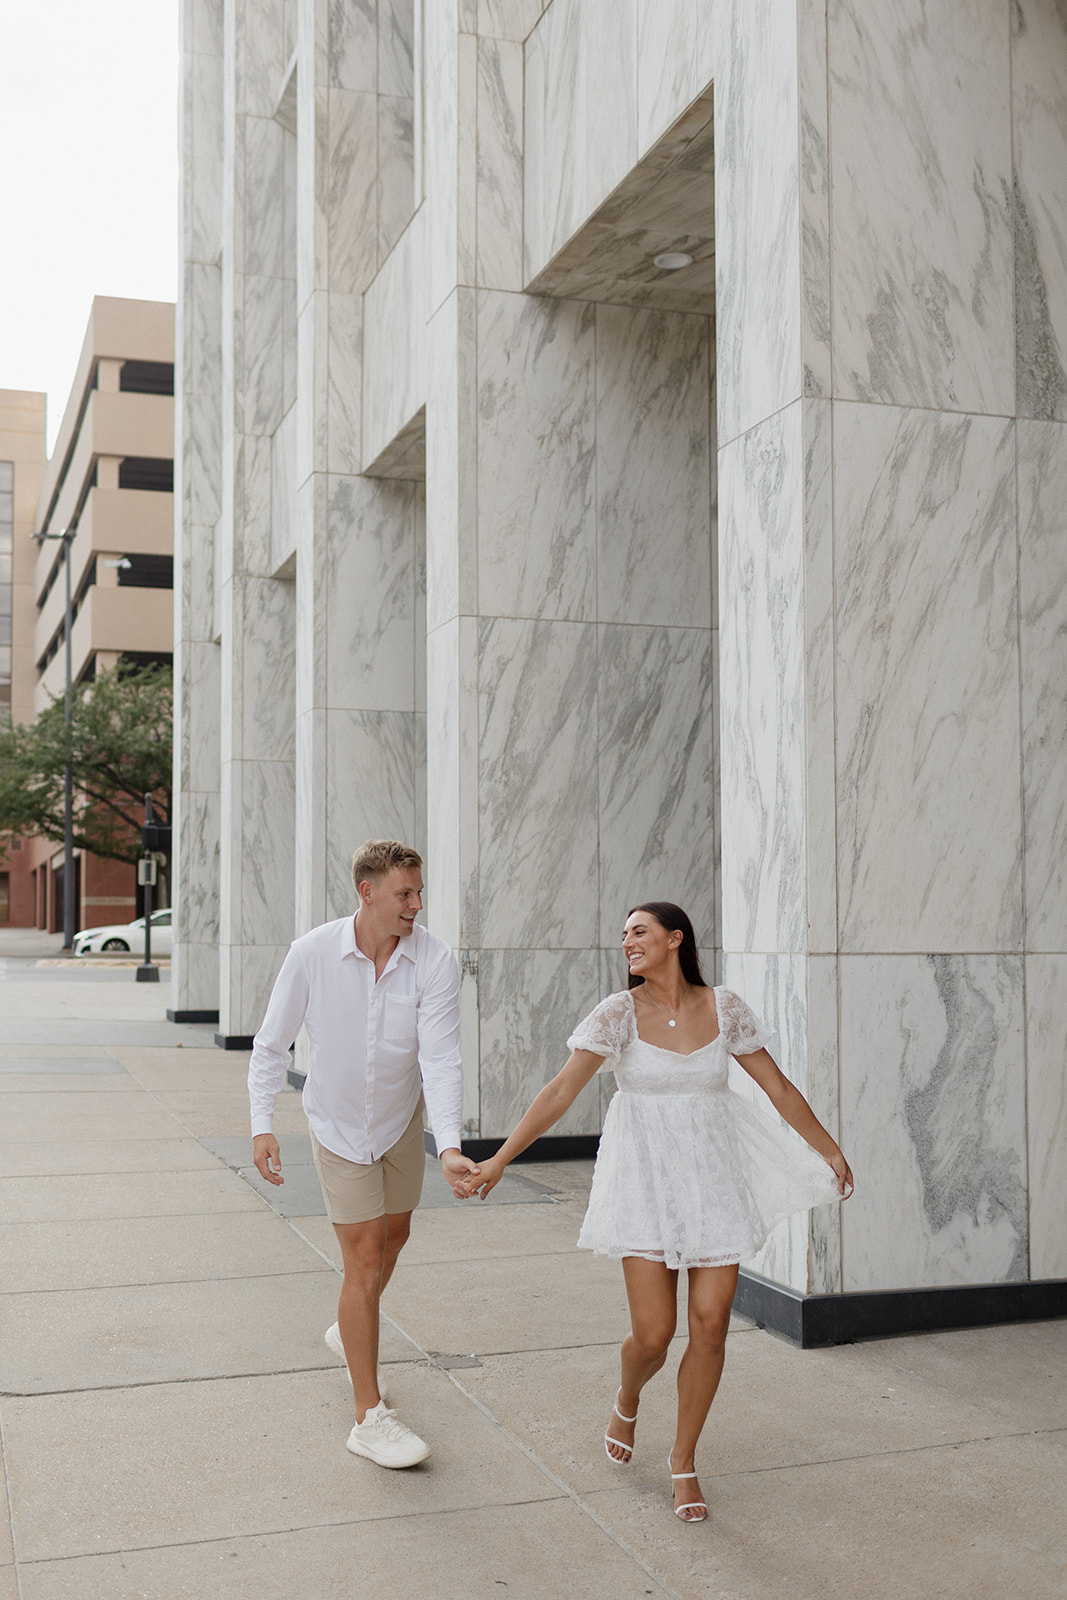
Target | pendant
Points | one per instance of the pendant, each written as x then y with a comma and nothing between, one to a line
671,1022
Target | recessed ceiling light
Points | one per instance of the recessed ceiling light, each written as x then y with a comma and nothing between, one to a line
672,260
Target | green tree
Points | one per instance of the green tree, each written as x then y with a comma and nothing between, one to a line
119,749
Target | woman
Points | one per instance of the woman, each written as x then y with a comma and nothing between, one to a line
689,1174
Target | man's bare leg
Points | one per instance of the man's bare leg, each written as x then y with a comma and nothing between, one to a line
369,1251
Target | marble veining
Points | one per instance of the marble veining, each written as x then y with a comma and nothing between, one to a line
1039,113
922,204
537,784
536,436
500,96
927,681
932,1107
653,465
657,831
1046,1108
528,1002
370,589
761,653
1042,470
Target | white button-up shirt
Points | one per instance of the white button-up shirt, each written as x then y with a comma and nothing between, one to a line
375,1046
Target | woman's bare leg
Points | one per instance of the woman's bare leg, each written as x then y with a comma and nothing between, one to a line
711,1295
652,1290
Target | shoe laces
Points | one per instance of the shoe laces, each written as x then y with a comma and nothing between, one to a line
389,1425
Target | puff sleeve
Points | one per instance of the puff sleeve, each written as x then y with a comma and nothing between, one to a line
742,1031
608,1029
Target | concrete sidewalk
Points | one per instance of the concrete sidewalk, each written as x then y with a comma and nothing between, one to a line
173,1425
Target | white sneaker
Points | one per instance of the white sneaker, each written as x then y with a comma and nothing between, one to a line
333,1341
383,1438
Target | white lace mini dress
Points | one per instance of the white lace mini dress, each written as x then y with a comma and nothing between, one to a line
689,1172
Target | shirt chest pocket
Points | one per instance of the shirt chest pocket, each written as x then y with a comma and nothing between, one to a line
401,1022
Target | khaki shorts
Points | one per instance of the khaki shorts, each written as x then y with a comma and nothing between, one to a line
386,1187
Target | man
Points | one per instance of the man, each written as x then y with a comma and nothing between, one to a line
379,997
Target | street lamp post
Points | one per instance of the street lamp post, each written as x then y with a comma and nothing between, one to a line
67,536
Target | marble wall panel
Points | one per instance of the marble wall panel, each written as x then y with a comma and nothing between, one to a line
467,158
251,488
775,986
653,467
344,363
309,820
1042,469
259,54
499,169
313,386
929,825
611,68
263,180
529,1001
200,737
396,170
396,48
536,437
266,645
440,153
255,967
538,784
757,212
922,206
310,646
656,800
822,1090
820,668
370,790
352,191
353,44
265,840
814,170
555,121
451,460
283,514
370,583
677,42
394,371
199,845
508,19
1039,115
761,662
933,1111
452,782
262,347
1046,1112
194,559
195,976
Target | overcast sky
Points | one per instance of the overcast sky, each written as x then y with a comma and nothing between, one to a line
88,175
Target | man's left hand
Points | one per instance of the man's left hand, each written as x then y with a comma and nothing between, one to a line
458,1169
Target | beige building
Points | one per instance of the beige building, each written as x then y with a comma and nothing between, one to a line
110,478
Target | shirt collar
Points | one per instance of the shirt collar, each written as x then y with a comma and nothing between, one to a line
405,950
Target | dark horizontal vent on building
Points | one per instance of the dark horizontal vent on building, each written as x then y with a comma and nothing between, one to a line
147,377
147,472
137,660
147,572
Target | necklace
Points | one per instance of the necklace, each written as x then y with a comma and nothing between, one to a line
671,1023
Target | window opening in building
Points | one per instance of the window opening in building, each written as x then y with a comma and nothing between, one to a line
147,377
147,472
147,572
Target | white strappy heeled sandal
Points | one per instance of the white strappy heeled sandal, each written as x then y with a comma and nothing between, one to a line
692,1505
619,1443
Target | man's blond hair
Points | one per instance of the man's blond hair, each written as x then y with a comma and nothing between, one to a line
379,856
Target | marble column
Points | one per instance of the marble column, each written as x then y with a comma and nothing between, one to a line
255,604
198,480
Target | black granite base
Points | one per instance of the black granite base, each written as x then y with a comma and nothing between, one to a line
234,1041
192,1016
564,1147
824,1319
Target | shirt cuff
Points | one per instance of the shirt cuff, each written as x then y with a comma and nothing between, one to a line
263,1123
451,1141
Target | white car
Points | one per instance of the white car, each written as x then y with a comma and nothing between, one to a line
126,936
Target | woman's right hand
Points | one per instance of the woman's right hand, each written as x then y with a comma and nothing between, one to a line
491,1173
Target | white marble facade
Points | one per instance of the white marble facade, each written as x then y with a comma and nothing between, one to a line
745,588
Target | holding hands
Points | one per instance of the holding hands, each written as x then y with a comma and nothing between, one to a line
480,1180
